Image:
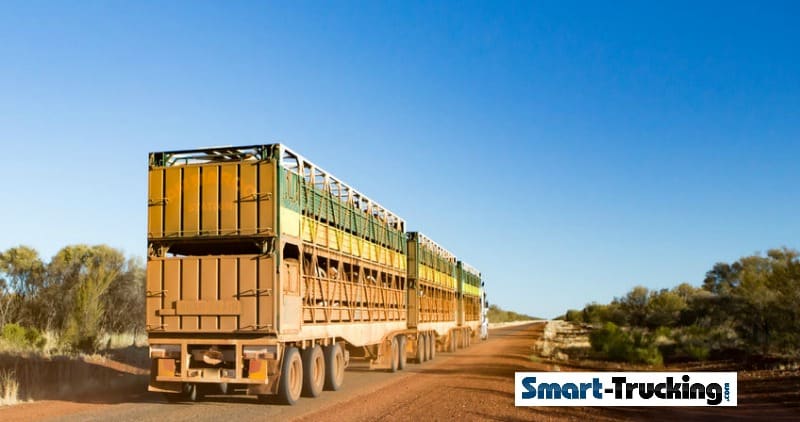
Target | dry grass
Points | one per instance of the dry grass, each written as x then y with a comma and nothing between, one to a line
122,340
56,372
9,388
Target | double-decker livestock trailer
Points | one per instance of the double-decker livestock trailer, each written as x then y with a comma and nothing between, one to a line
266,273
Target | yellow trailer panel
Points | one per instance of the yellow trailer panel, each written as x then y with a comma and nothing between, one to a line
211,200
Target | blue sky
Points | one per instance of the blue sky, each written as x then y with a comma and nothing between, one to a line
568,150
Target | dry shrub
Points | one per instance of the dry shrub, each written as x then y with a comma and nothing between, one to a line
9,387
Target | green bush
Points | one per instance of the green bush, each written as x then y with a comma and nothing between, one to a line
694,342
697,352
612,343
574,315
35,338
21,337
14,334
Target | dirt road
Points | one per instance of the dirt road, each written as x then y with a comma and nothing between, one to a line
472,384
484,370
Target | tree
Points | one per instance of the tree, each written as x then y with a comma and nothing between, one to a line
634,304
21,276
84,323
664,309
125,300
89,273
722,278
64,273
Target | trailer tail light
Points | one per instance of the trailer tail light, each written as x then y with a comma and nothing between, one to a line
172,351
257,369
166,367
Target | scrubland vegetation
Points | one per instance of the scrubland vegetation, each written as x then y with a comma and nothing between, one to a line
54,313
496,314
743,309
75,303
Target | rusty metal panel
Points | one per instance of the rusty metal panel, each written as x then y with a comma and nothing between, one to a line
207,307
191,201
195,201
172,291
172,198
211,294
155,203
228,276
190,282
266,292
229,193
247,292
155,294
208,290
248,219
266,196
210,205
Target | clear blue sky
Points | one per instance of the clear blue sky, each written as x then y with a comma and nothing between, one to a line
568,150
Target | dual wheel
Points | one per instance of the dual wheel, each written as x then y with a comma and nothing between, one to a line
309,372
459,340
426,347
399,357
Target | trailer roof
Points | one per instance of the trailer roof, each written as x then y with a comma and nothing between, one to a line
435,247
470,269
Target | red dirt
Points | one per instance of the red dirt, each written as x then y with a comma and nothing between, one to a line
472,384
477,384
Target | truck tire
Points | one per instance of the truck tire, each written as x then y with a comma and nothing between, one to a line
420,349
432,346
401,352
394,356
291,383
194,392
334,366
313,371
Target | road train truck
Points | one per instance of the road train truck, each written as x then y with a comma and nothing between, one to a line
267,274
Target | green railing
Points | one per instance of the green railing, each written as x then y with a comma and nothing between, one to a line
301,196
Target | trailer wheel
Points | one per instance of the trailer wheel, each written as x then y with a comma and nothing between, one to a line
193,392
432,346
401,352
394,356
420,348
334,366
291,382
313,371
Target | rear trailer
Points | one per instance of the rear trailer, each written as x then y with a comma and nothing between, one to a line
264,272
